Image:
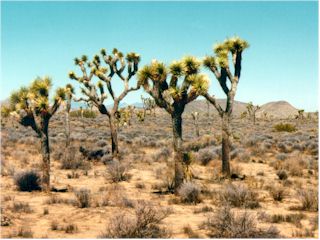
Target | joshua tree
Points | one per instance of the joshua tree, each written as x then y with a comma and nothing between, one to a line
148,105
69,93
31,107
195,116
300,115
208,108
172,88
219,65
252,110
140,115
116,63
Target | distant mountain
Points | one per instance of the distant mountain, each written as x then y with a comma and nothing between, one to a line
279,109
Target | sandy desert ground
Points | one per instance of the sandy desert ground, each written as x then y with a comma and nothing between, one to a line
277,193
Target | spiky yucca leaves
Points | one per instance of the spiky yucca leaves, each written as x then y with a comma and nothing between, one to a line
104,68
252,110
220,67
32,107
166,91
172,88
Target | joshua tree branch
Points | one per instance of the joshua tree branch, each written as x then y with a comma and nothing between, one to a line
212,100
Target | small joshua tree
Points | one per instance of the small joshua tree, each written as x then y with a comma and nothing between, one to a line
69,93
195,116
300,115
31,107
96,94
219,65
252,110
172,89
148,105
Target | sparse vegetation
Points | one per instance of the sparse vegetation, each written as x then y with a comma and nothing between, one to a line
284,127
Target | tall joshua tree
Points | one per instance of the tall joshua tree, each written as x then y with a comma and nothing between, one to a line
115,64
172,88
31,107
219,65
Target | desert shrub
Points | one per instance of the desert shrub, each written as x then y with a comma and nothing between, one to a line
225,224
244,157
284,127
189,232
203,209
294,218
282,174
143,223
190,193
45,211
71,159
86,113
83,198
239,196
27,181
205,155
308,199
281,156
56,200
162,154
115,196
70,228
278,193
117,171
24,232
21,207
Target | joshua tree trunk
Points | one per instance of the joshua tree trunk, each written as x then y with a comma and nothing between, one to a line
114,137
177,147
226,144
67,119
45,150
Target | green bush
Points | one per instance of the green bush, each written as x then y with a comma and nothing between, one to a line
86,113
284,127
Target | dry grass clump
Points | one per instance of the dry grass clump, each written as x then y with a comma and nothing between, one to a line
21,207
23,232
57,200
308,199
205,155
190,193
189,232
278,193
294,218
115,196
143,223
239,196
27,181
225,224
83,198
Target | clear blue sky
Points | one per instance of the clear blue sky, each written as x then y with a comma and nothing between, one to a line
42,38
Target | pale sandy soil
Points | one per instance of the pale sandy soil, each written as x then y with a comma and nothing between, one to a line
92,222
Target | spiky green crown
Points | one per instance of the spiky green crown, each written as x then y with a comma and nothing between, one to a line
191,64
41,87
233,45
133,57
156,71
177,69
209,62
199,83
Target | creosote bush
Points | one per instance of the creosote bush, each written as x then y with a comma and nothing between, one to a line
143,223
225,224
190,193
86,113
117,171
239,196
27,181
284,127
